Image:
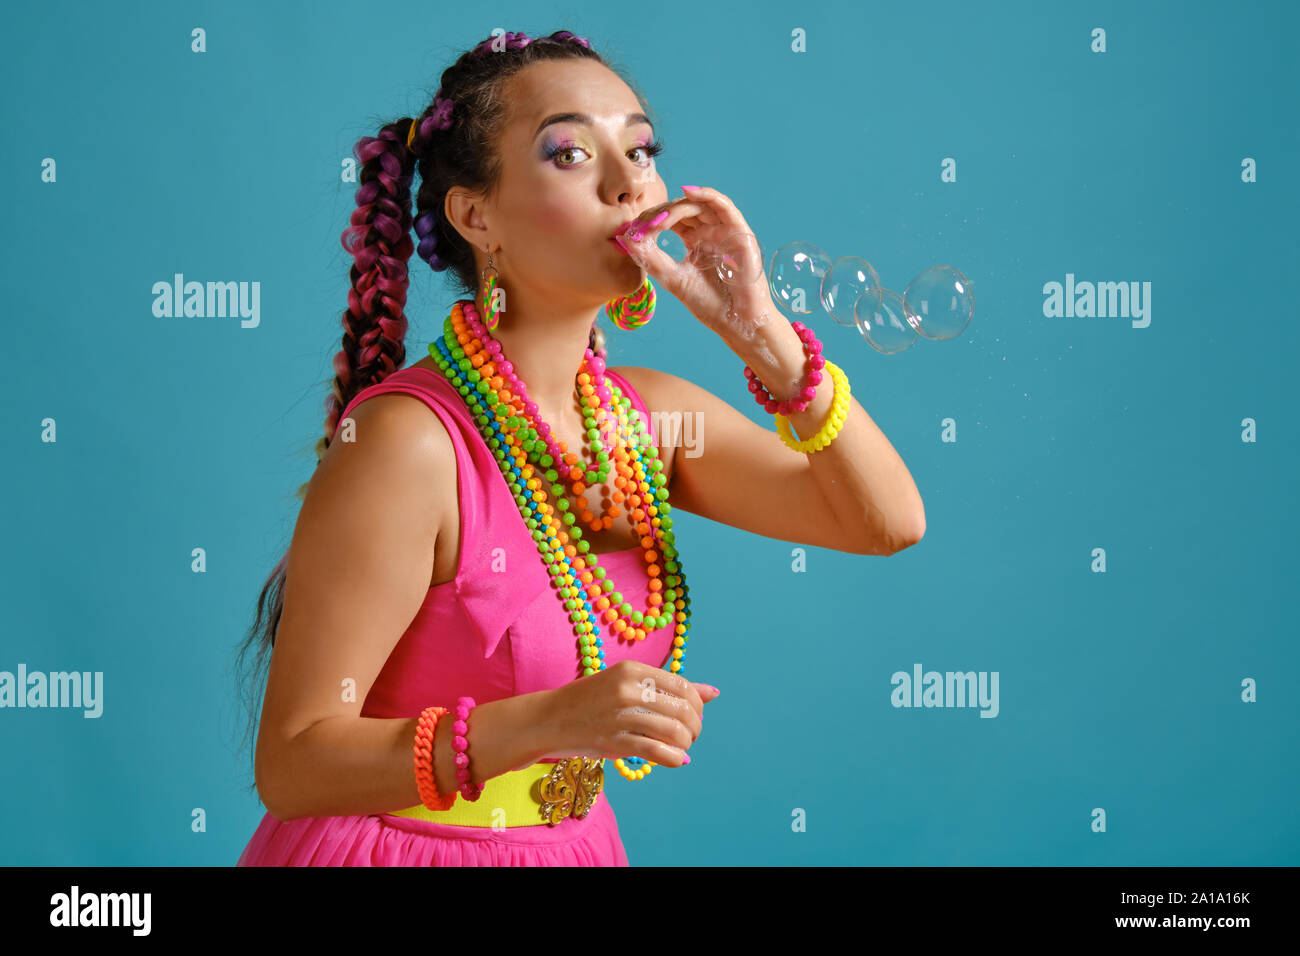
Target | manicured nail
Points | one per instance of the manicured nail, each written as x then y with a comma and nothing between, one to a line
657,219
687,760
715,690
690,187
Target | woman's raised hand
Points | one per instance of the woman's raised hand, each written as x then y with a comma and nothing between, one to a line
713,231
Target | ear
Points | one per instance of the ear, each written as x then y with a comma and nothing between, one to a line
465,211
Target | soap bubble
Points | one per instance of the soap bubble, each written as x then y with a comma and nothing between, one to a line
740,259
796,274
672,244
847,280
881,317
939,303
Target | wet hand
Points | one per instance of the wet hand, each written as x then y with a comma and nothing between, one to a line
715,233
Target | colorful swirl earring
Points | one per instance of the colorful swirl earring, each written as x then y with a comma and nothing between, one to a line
492,315
633,311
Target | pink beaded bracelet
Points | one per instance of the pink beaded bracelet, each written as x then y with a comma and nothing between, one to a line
460,747
803,398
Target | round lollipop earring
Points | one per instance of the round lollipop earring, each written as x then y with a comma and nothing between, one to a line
492,315
631,312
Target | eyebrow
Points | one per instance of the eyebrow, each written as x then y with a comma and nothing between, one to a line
632,119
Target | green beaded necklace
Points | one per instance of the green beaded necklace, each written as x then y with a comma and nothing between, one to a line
520,453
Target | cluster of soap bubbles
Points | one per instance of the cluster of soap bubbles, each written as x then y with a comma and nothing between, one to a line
937,304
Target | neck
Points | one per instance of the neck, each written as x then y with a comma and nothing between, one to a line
545,343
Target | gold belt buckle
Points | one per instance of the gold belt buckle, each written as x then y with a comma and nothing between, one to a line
570,788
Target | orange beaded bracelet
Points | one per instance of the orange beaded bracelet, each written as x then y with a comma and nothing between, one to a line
424,780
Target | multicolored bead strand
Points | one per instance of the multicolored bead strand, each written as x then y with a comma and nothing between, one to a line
628,475
640,491
513,435
557,449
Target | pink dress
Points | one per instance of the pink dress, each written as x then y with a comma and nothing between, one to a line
488,635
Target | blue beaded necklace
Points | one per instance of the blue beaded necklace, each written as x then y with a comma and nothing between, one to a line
475,390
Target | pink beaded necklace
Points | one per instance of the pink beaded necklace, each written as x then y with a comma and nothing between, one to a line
473,362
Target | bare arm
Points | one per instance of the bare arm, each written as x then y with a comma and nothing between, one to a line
855,495
359,569
346,765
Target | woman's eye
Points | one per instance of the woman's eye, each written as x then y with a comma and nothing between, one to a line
557,153
568,149
553,153
652,149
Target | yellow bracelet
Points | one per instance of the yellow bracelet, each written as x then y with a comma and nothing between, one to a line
834,421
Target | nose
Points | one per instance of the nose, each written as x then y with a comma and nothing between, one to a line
626,185
628,193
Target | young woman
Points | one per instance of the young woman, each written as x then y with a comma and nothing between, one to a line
483,609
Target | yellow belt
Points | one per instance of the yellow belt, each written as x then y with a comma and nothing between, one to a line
540,793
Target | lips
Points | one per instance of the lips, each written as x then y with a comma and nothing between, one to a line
615,238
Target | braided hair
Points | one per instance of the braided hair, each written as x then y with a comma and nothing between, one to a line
453,142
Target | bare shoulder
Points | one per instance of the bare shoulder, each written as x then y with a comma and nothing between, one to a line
665,392
398,426
671,401
660,390
397,446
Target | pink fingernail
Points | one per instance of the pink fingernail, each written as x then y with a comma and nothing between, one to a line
687,760
657,219
690,187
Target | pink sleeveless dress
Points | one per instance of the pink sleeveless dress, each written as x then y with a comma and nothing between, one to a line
488,635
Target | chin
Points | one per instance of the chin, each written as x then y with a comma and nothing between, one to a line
636,284
628,265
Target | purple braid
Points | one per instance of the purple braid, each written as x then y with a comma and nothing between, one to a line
426,225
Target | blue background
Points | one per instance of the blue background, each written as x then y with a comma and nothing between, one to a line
1118,690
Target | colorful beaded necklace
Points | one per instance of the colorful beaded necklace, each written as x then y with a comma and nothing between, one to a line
474,364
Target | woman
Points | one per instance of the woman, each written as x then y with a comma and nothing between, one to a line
440,560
